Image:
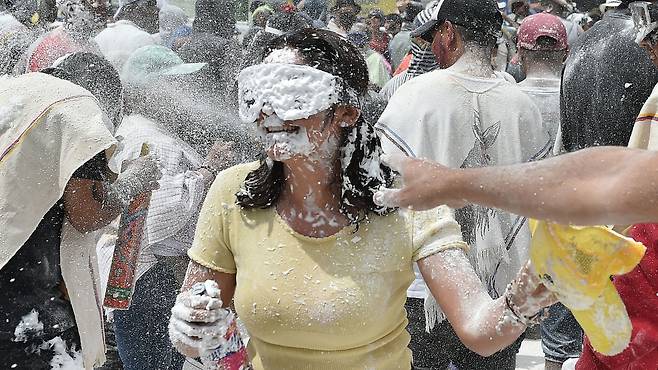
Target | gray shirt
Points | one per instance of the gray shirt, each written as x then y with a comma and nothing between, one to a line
399,47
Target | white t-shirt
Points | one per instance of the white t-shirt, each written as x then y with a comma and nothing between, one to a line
175,206
465,121
120,39
545,93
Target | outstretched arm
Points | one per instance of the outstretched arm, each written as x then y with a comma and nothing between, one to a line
604,185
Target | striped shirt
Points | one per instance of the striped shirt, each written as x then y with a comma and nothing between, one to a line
422,61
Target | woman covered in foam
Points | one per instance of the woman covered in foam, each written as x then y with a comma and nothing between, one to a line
316,270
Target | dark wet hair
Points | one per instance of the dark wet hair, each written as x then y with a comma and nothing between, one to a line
413,9
288,19
330,53
286,22
517,4
474,37
95,74
145,14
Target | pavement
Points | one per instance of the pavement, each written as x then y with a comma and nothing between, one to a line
530,356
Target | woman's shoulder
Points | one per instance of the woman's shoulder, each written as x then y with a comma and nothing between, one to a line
229,181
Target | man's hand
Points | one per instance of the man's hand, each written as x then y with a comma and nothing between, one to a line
425,185
141,175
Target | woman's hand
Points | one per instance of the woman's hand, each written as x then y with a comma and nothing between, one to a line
475,317
526,296
529,294
198,322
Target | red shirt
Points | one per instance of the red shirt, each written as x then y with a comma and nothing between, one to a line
404,64
638,291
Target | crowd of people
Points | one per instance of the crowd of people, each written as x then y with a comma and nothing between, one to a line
358,185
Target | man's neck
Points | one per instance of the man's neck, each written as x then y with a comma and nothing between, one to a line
474,62
542,71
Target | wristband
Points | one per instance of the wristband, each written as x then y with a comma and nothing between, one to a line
513,314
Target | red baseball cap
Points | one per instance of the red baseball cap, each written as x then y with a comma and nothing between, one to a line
542,24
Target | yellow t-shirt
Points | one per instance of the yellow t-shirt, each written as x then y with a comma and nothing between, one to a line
318,303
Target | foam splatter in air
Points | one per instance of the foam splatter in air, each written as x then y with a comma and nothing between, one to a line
28,327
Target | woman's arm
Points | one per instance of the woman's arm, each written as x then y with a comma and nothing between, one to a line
194,318
472,313
198,274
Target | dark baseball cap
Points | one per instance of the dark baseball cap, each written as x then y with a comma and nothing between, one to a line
481,16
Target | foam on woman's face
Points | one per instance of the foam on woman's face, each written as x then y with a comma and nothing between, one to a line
316,89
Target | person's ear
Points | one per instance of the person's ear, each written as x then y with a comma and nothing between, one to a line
346,115
449,32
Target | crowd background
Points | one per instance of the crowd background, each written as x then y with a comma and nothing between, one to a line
572,76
